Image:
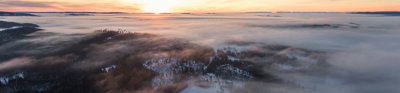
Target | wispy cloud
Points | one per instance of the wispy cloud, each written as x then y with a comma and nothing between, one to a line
61,6
26,4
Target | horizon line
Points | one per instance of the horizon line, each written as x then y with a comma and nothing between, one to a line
199,12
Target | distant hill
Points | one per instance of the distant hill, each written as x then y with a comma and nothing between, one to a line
15,14
4,24
83,12
380,13
15,31
79,14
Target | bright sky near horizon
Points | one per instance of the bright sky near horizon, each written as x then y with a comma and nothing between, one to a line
161,6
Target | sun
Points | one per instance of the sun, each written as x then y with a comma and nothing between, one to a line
156,9
158,6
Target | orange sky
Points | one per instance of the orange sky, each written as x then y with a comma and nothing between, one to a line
161,6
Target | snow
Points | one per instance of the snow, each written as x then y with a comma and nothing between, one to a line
217,85
169,68
109,38
19,75
15,27
162,79
166,67
232,50
5,80
106,69
172,65
209,77
234,71
231,58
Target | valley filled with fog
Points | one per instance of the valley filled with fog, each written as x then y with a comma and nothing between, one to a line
200,53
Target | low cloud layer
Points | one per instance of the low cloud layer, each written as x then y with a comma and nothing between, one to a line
26,4
199,5
118,61
66,6
295,53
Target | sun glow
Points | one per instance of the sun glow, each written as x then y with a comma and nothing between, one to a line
158,6
156,9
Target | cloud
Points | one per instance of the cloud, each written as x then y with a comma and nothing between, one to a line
27,4
369,65
310,26
63,6
369,68
16,62
61,58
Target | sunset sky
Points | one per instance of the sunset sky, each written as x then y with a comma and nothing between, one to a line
160,6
